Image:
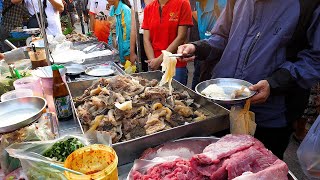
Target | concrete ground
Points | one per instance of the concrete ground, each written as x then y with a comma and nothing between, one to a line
290,156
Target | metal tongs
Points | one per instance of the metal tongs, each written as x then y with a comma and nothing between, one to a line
181,55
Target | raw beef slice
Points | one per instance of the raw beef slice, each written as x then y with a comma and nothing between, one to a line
253,159
278,171
209,161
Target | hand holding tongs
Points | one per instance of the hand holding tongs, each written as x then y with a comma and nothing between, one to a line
181,55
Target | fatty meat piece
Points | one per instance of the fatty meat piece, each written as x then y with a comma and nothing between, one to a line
278,170
226,146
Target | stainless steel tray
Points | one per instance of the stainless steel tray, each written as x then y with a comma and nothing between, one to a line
128,151
83,77
20,112
193,145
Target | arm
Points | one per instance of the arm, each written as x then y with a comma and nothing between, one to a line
147,44
126,29
133,56
57,5
92,20
306,71
16,1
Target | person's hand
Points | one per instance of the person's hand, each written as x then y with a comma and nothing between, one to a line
186,49
263,92
1,56
155,63
133,57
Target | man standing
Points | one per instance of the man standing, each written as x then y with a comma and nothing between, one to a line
272,44
12,17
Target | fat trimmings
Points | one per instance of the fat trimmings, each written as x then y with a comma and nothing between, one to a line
215,91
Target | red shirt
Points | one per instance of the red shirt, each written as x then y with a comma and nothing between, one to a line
163,24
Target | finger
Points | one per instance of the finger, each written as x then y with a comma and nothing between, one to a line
258,98
148,61
255,87
180,49
1,56
186,50
188,59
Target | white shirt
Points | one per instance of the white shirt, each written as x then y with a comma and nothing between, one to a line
97,6
53,16
140,14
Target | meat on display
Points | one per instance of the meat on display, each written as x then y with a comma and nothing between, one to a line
232,157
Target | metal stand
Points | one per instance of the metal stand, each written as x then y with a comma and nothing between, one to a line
137,27
43,32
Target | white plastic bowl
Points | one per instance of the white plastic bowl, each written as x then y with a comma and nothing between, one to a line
16,94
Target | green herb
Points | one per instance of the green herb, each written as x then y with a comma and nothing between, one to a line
61,150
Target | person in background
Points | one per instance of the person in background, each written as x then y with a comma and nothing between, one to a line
1,7
121,10
165,27
207,13
12,17
95,8
52,10
141,4
267,44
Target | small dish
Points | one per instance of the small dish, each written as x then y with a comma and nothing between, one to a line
99,71
229,86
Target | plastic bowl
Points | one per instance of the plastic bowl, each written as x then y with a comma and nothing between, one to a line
32,83
95,161
16,94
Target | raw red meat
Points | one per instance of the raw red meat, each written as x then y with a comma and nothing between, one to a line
209,161
226,146
233,156
278,170
253,159
176,170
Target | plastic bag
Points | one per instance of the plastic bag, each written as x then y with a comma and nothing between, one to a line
102,30
36,166
242,121
40,131
309,151
129,68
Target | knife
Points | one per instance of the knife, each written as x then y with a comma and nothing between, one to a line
181,55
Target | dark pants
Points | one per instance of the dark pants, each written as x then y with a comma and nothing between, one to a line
274,139
196,74
143,55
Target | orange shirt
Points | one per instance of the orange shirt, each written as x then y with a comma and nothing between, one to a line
163,23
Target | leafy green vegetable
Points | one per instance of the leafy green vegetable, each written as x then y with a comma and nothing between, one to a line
61,150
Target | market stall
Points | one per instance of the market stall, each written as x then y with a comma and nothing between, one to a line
105,124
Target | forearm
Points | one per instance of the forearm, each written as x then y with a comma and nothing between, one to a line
148,49
16,1
176,43
133,34
92,20
57,5
147,45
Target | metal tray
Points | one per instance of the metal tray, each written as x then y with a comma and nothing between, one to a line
128,151
187,147
20,112
83,77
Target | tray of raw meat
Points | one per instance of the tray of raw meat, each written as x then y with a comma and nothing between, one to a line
237,157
